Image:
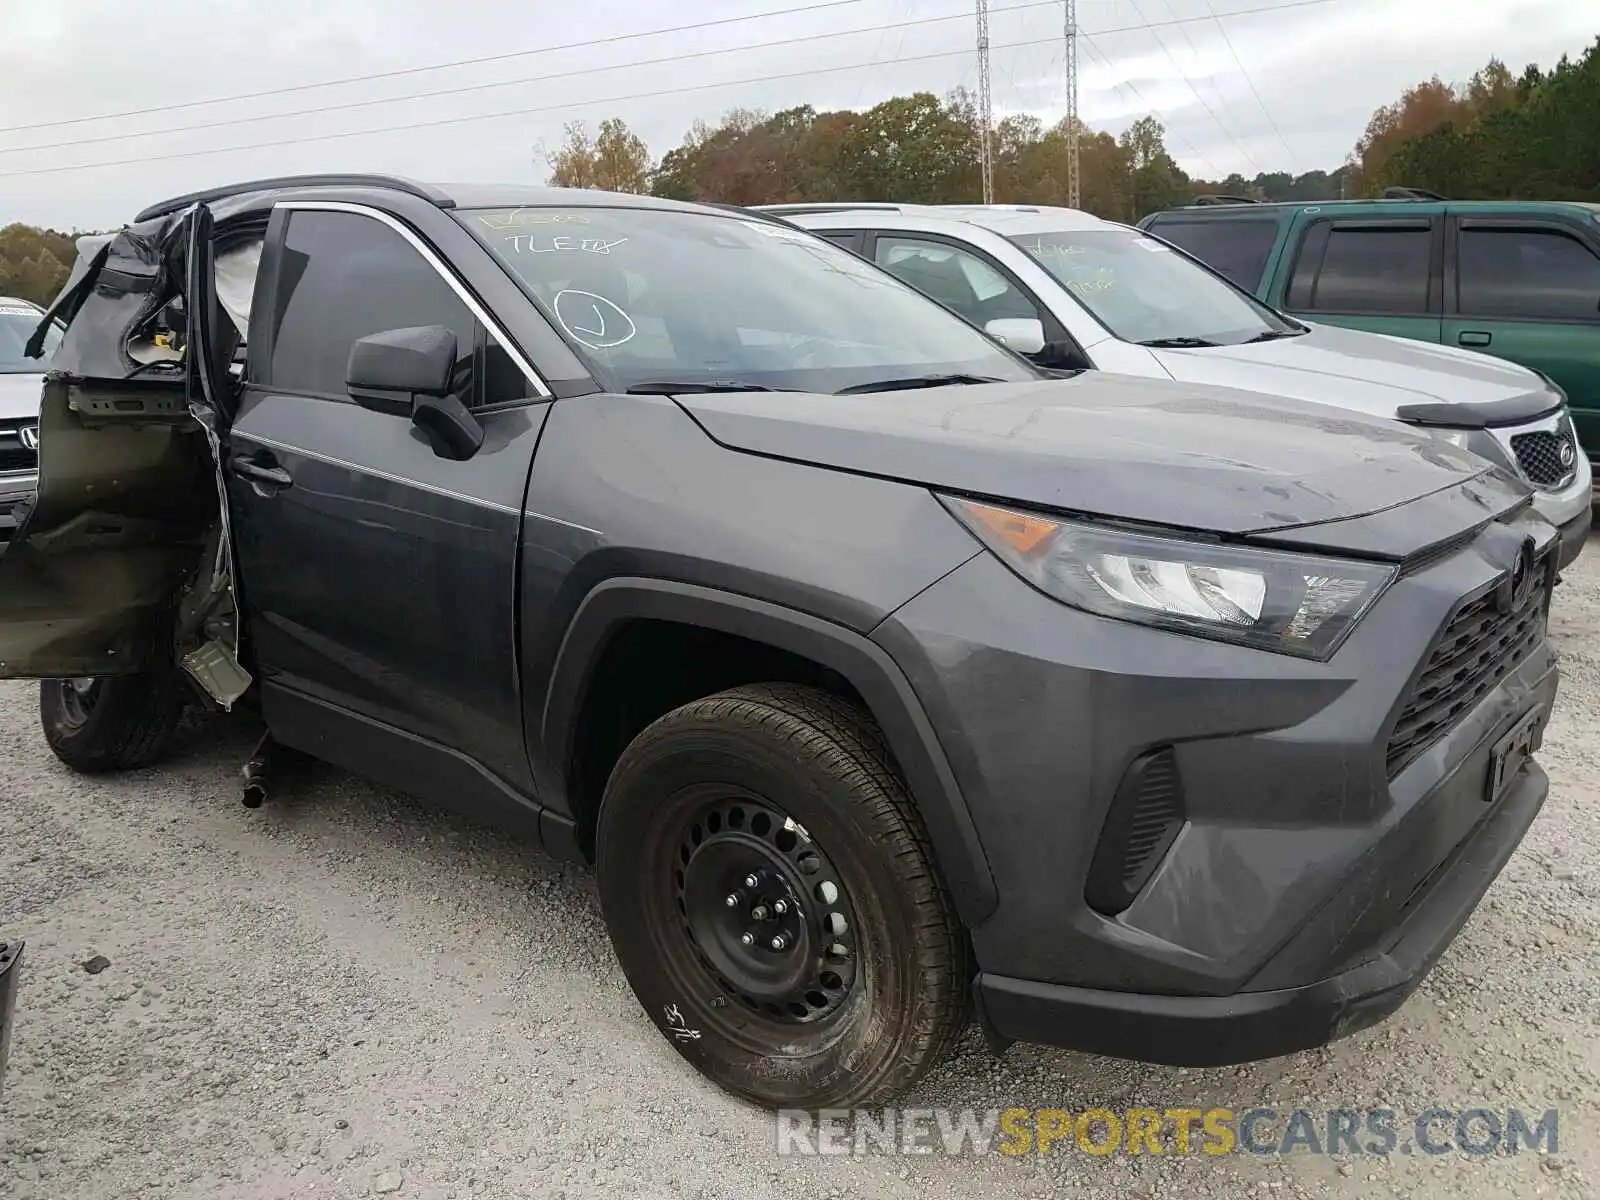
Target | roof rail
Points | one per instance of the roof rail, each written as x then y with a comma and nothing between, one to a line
394,183
1220,199
1410,193
837,206
757,211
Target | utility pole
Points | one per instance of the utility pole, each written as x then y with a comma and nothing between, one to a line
1074,177
985,105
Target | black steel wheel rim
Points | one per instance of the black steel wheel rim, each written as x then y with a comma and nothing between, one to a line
78,697
766,914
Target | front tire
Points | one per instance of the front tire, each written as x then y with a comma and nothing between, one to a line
772,898
117,723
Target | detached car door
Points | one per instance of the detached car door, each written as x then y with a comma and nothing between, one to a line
378,572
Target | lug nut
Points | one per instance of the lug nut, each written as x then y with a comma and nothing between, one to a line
779,942
751,881
732,901
759,912
780,907
747,939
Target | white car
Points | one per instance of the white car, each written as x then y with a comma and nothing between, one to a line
20,379
1071,290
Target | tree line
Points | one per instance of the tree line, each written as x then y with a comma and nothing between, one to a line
1535,135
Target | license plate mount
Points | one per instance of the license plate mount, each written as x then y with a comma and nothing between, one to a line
1511,752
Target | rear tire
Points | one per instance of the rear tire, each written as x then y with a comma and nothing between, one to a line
117,723
792,787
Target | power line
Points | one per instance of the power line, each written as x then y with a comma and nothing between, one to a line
401,72
406,127
964,51
1294,160
469,88
1195,92
1088,43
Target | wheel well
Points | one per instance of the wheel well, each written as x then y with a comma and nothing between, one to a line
647,669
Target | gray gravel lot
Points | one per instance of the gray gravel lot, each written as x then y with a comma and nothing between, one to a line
344,994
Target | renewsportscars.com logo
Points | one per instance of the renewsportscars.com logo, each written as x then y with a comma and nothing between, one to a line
1474,1132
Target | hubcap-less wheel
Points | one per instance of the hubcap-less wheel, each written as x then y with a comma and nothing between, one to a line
765,911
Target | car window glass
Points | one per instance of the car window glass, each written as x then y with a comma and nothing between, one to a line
1373,271
961,281
341,277
1142,290
1528,273
1232,247
650,295
17,323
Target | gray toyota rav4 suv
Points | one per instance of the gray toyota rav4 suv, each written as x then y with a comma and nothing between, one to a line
881,674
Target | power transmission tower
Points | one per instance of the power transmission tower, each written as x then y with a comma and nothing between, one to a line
985,105
1074,186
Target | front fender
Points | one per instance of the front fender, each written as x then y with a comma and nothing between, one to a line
867,666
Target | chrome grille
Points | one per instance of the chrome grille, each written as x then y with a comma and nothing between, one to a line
14,456
1478,649
1547,456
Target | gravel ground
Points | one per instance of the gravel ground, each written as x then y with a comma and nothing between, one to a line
343,994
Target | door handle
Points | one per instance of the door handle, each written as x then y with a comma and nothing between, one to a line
1473,337
268,475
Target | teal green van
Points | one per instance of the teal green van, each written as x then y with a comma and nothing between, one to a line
1516,279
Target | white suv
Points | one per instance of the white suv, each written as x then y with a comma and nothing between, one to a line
1071,290
20,379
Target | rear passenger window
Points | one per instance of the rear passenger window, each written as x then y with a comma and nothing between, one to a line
1363,269
1235,248
1528,273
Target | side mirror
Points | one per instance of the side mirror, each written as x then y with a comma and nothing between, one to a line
1025,335
408,373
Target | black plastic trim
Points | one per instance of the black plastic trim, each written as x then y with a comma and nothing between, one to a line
1121,865
10,974
392,183
867,667
1496,413
1210,1031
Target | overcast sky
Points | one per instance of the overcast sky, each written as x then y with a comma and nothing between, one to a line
1318,69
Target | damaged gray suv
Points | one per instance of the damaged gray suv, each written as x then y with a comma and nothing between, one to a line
880,674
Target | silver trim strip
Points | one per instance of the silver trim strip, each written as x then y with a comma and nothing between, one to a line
245,435
438,265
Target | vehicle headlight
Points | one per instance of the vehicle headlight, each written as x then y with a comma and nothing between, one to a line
1298,604
1461,439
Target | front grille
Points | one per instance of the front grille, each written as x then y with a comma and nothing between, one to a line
14,456
1145,817
1478,649
1539,454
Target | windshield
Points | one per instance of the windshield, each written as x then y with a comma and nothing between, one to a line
1142,291
17,323
656,297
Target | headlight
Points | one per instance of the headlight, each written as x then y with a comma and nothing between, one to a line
1461,439
1297,604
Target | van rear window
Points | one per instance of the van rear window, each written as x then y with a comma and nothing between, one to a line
1233,247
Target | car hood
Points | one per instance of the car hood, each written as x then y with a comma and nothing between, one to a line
1367,372
1153,451
19,395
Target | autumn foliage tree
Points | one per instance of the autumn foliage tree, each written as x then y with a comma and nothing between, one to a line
615,161
34,263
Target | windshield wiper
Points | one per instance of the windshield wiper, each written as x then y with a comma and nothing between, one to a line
1272,335
914,381
1178,343
670,387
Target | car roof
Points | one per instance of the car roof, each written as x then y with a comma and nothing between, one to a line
1238,208
1004,219
19,302
265,192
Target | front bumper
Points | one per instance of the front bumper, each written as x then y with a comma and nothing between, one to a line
16,493
10,970
1313,874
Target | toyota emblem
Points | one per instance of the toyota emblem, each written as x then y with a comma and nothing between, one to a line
28,435
1567,454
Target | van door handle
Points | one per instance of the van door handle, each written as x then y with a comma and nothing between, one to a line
267,475
1473,337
